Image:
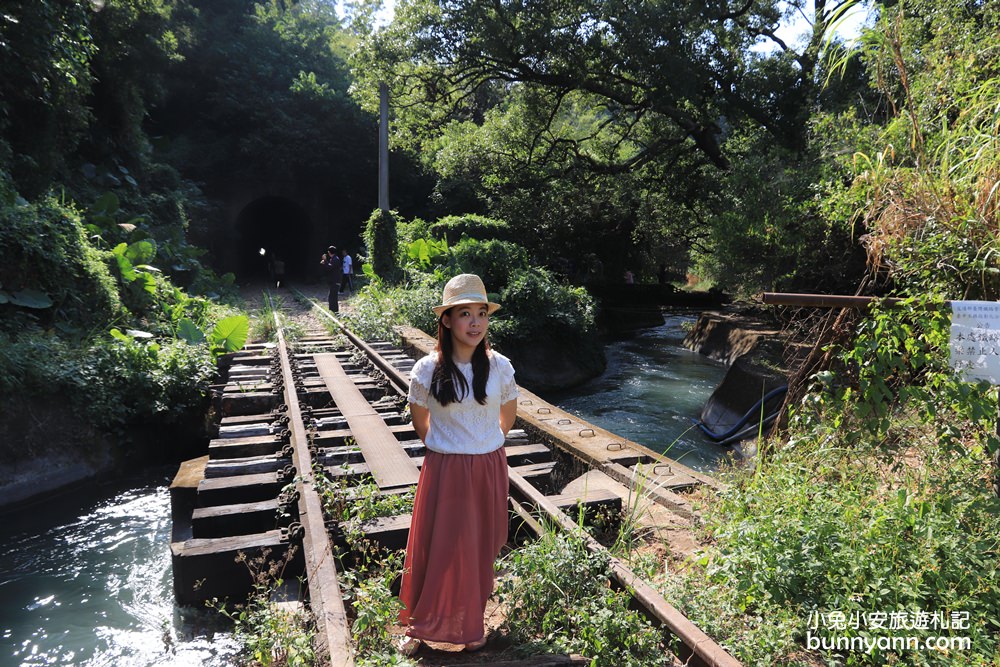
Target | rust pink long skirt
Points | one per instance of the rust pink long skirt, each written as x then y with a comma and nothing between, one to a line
459,526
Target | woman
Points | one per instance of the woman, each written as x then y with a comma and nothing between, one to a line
463,399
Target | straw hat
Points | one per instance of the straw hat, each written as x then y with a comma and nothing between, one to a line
463,289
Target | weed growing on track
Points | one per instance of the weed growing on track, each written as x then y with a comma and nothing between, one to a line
557,598
367,584
270,636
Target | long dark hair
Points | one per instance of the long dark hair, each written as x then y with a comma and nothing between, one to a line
448,384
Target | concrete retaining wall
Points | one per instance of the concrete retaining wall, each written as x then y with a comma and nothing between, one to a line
755,354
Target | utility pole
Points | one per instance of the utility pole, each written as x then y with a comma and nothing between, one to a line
383,147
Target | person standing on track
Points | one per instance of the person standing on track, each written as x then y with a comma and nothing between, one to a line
463,399
333,270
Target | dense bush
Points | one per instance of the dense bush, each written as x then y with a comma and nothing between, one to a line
44,249
102,333
538,307
827,529
493,261
129,382
880,501
542,322
113,384
379,308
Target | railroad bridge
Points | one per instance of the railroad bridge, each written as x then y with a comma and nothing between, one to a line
295,416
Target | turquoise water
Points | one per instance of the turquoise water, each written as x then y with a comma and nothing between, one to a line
85,580
652,389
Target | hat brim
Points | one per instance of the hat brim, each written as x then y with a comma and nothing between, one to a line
490,306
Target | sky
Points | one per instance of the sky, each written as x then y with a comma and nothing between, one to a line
848,30
788,33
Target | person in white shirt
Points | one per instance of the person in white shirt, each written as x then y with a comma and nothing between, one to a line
348,281
463,400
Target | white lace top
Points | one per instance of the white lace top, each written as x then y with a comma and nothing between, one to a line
464,427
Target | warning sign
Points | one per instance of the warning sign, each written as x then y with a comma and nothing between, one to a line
975,340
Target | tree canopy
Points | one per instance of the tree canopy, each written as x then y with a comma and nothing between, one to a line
598,127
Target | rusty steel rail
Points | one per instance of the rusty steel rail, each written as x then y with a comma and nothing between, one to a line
325,600
829,300
823,300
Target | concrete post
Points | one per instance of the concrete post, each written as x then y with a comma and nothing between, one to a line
383,147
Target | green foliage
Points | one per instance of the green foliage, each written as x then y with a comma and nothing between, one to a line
381,241
764,636
45,82
361,502
114,383
270,636
566,214
557,597
898,376
616,55
229,334
880,501
424,254
820,529
231,117
494,261
130,381
453,227
368,582
377,309
925,183
558,118
769,229
537,307
46,253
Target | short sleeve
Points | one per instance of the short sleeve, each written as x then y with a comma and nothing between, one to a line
508,387
420,381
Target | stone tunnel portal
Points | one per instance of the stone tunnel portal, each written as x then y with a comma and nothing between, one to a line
270,227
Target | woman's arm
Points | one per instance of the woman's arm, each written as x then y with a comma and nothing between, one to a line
508,413
421,420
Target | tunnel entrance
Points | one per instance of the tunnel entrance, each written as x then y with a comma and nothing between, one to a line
273,227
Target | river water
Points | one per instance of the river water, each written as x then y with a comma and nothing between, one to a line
652,389
85,578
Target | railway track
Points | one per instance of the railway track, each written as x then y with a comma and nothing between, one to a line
330,409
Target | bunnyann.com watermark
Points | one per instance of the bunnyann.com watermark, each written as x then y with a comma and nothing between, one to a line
903,630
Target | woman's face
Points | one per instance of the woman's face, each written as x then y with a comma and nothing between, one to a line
468,325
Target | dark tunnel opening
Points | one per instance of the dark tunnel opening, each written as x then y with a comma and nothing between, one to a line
273,227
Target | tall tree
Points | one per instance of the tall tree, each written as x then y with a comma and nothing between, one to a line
598,126
687,64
